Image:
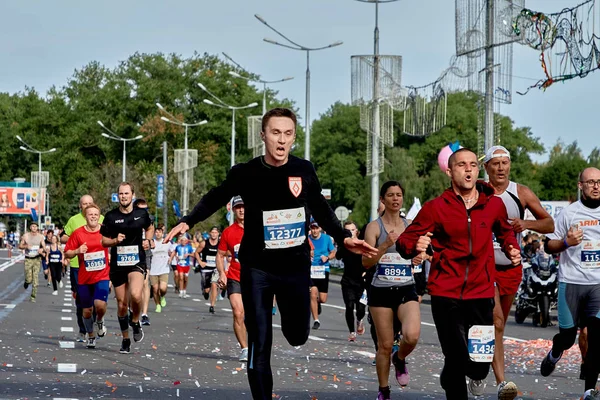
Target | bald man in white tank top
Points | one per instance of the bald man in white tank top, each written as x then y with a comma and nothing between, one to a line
517,198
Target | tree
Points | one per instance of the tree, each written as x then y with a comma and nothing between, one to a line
558,178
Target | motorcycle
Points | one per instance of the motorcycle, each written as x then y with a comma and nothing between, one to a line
539,290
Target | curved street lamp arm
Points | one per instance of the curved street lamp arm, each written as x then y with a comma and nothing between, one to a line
201,86
284,45
258,17
210,103
233,61
163,109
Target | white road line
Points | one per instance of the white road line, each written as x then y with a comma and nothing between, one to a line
66,344
365,353
65,304
66,329
427,324
227,309
318,339
515,339
66,310
8,305
67,367
66,318
333,306
10,263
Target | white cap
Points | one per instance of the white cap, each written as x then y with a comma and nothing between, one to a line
490,153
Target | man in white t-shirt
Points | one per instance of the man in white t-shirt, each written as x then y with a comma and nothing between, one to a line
159,269
577,238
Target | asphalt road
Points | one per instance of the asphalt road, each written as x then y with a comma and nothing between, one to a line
190,354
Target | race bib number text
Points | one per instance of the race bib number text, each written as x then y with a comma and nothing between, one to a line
481,344
393,268
284,228
317,272
127,255
590,254
95,261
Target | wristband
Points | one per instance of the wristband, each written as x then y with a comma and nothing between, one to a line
566,244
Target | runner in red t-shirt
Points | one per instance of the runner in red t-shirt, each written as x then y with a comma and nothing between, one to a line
230,243
93,280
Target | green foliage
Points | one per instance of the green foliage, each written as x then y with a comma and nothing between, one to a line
558,178
124,98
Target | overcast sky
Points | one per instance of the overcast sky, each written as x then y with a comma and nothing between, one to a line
43,42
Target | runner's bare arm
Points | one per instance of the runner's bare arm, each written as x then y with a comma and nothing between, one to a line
543,221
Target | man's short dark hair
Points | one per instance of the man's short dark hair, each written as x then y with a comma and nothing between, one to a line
278,112
140,202
126,184
452,158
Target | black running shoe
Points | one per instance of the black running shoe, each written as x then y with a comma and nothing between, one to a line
125,346
548,366
319,308
316,325
138,332
205,295
91,343
145,320
25,285
211,309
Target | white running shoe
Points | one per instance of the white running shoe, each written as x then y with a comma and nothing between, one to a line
60,284
244,355
55,293
101,329
477,388
507,391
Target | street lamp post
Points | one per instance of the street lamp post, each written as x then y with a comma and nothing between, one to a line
114,136
26,147
221,104
173,120
249,79
296,46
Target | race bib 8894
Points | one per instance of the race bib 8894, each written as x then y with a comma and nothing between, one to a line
393,268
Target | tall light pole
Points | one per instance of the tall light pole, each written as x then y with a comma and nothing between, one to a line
249,79
173,120
221,104
296,46
26,147
114,136
376,134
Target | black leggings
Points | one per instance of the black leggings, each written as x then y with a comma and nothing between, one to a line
352,295
565,338
453,318
293,300
56,271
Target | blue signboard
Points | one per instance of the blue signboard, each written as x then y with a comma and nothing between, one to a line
160,190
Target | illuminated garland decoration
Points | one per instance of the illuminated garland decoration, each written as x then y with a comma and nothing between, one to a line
562,39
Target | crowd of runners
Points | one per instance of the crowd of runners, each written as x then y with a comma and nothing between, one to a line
463,248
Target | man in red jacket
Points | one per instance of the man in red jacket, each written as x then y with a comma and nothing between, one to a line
456,229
